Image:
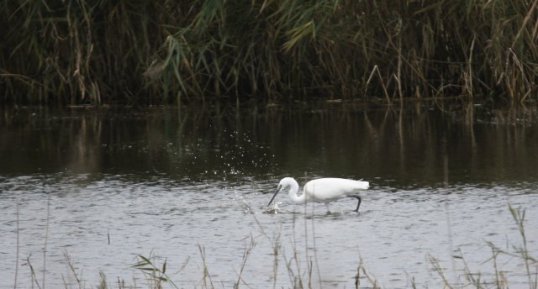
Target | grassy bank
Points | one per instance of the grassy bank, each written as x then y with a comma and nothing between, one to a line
154,52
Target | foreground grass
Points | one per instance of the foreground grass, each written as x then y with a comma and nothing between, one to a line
147,52
156,274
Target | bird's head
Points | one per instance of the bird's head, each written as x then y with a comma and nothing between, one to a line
284,185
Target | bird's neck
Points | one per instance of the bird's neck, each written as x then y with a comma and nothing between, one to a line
294,189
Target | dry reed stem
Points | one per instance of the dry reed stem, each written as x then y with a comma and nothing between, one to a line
198,51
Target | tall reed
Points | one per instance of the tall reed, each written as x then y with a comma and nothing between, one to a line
158,278
140,52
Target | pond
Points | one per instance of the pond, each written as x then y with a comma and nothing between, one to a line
84,193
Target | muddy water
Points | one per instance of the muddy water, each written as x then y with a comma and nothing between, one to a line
85,192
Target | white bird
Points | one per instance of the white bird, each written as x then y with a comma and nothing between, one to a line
323,190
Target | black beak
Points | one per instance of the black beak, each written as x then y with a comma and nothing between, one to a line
274,195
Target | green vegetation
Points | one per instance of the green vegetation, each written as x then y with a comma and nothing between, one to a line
168,52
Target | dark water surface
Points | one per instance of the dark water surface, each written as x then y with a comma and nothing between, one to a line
94,189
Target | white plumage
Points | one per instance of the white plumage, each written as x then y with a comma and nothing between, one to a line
323,190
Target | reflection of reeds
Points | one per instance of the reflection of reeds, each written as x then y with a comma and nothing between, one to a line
123,51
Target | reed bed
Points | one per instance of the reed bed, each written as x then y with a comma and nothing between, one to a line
172,52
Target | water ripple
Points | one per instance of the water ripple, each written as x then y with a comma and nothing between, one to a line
104,222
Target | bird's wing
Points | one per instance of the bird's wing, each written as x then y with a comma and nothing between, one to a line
327,189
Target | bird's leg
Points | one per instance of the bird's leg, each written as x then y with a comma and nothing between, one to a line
359,203
328,210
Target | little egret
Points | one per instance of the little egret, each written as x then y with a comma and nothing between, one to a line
323,190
